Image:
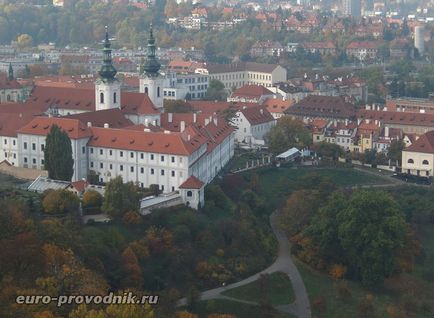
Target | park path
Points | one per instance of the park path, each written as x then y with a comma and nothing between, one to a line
284,263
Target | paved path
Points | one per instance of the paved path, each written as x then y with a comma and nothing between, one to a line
300,307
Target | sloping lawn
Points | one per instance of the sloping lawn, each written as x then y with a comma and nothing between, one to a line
276,287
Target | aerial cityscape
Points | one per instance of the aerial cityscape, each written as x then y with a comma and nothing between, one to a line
216,158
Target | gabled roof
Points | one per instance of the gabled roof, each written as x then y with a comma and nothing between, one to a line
192,183
135,140
11,122
277,105
251,91
41,126
395,117
257,115
323,106
5,83
363,45
424,144
84,99
114,117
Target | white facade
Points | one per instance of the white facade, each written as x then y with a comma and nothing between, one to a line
107,95
31,154
9,150
418,163
153,87
250,133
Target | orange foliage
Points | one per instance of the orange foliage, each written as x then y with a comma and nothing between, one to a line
186,314
337,271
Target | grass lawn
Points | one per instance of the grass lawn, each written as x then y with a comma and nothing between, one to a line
278,183
277,287
240,310
319,285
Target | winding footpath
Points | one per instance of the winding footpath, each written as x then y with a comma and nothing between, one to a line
284,263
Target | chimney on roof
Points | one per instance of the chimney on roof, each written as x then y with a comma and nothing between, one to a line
215,121
386,131
182,126
194,117
154,122
206,121
262,111
146,122
188,137
367,107
167,132
106,125
89,124
146,130
170,117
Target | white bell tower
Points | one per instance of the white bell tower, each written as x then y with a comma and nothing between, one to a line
107,87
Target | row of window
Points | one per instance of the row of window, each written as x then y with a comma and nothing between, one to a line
132,155
132,169
25,146
425,162
26,160
14,142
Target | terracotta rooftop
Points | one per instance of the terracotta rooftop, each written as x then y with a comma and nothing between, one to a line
424,144
257,115
240,66
114,117
277,105
363,45
323,106
11,122
5,83
192,183
251,91
157,142
394,117
41,126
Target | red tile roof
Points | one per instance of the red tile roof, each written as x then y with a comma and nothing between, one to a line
257,115
208,107
84,100
41,126
11,122
157,142
192,183
394,117
80,185
114,117
252,91
277,105
323,106
424,144
5,83
363,45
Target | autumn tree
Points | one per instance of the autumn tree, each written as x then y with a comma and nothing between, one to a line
24,40
60,202
133,275
216,90
365,232
299,209
58,155
92,201
120,197
286,134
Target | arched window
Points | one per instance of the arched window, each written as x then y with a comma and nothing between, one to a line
425,162
114,98
410,161
9,98
146,90
189,194
101,98
158,91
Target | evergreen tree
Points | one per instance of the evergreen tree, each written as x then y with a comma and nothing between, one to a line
58,155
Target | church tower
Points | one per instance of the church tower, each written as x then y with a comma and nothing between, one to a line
107,87
10,72
151,81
